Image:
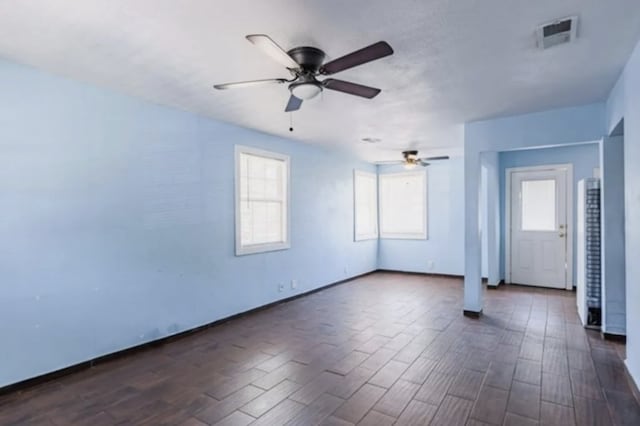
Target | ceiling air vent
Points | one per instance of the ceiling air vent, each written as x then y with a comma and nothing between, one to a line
557,32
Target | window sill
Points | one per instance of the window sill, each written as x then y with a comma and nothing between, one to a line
365,237
262,248
403,237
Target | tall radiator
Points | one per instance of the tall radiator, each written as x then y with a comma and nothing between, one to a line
589,265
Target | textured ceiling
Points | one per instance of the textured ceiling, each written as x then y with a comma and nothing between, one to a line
454,61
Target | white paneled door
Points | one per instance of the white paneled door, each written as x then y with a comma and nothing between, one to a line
539,223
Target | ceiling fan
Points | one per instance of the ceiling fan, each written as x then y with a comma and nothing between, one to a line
306,63
411,160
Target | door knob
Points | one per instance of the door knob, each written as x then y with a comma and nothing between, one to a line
561,234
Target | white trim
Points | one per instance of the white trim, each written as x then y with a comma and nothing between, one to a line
409,236
364,237
569,211
261,248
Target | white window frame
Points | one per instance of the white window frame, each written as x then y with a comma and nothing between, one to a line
404,236
365,236
261,248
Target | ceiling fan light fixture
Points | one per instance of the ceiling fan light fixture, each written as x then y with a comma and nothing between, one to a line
411,156
305,90
410,165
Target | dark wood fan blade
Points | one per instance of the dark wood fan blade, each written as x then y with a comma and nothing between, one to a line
242,84
293,104
423,163
444,157
271,48
351,88
370,53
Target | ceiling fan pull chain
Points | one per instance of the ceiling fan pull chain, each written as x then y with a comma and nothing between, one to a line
291,121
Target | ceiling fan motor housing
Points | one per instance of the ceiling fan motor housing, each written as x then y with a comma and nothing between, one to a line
309,58
410,155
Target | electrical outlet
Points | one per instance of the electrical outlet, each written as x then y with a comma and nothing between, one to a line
430,264
281,287
294,283
346,270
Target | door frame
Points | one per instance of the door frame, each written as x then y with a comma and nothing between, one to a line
570,222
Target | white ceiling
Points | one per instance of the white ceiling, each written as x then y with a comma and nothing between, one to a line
454,61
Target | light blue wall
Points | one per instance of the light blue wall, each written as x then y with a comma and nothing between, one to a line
613,265
484,219
491,230
445,243
624,101
541,129
583,157
615,105
117,223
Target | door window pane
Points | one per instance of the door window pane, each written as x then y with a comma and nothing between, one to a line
538,205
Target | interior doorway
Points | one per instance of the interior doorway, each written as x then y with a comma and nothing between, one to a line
539,226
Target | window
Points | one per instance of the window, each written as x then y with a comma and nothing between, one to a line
365,201
403,205
262,201
538,205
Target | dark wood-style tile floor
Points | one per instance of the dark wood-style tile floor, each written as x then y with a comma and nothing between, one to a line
383,349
